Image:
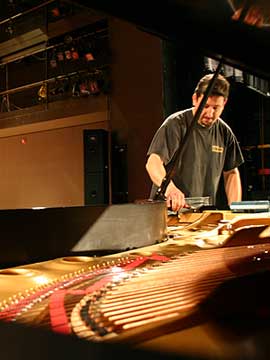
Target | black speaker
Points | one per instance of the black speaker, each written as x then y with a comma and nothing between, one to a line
119,174
96,188
96,175
95,150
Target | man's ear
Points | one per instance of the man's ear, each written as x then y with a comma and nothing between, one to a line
194,99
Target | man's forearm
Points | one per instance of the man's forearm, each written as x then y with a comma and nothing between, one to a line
174,196
233,187
155,169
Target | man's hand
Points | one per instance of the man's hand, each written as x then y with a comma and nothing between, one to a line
174,197
155,168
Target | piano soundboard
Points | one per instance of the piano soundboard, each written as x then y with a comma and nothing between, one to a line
180,295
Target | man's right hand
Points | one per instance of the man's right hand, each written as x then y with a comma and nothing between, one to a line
174,197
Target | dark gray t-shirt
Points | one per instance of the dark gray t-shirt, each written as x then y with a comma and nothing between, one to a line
207,153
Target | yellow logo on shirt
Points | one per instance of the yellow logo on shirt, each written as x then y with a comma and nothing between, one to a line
217,149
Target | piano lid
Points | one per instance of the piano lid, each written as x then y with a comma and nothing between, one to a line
236,31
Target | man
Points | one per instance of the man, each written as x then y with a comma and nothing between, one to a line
211,149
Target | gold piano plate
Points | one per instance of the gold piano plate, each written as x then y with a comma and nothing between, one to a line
146,298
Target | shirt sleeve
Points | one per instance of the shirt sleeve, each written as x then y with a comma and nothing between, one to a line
166,140
234,157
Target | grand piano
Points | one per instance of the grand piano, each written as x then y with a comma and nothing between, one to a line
198,290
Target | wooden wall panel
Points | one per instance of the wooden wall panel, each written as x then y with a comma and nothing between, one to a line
137,98
44,168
